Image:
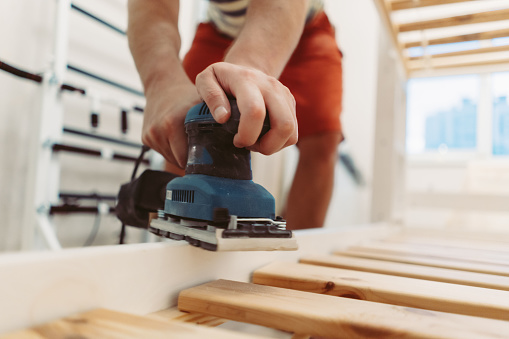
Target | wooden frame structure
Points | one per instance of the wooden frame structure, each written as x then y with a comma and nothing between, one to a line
425,23
367,281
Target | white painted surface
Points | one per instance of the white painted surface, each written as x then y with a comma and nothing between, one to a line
137,278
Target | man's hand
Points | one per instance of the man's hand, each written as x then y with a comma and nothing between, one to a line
256,93
163,122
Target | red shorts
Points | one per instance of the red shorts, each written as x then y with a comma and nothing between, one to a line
313,74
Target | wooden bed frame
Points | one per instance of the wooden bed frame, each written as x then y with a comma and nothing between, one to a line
411,283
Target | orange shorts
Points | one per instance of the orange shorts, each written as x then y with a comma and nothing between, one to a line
313,74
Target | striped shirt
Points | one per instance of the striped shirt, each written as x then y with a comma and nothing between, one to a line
228,16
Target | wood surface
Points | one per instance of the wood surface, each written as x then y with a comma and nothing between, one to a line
499,33
472,52
103,323
397,5
329,316
174,314
485,246
497,15
37,287
431,251
410,271
433,262
382,288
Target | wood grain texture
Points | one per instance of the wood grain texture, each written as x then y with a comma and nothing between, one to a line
397,5
430,251
472,52
103,323
382,288
497,15
410,271
173,314
485,246
432,262
37,287
328,316
499,33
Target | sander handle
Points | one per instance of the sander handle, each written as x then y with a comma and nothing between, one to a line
232,125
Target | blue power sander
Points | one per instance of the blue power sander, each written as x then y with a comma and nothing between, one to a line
216,205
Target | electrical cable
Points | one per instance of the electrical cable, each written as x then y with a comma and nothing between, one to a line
95,228
144,149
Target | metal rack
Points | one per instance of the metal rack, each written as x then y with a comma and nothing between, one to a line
43,184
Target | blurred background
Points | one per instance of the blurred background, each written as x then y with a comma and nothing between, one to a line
427,131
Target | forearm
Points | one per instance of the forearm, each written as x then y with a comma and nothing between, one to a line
270,35
155,42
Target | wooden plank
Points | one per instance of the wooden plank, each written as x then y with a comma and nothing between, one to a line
388,289
479,244
460,233
427,251
328,316
497,15
472,63
485,249
38,287
501,33
397,5
174,314
410,271
473,52
433,262
103,323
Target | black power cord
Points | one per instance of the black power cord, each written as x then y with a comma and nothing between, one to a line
139,160
95,228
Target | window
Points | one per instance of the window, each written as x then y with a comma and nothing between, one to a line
442,113
500,113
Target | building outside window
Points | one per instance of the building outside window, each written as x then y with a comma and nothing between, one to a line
500,114
447,121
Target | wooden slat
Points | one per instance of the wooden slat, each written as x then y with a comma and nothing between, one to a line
433,262
470,63
429,251
388,289
473,52
103,323
460,234
497,15
501,33
479,244
328,316
408,4
410,271
173,314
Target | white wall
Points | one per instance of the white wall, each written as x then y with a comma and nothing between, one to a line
357,32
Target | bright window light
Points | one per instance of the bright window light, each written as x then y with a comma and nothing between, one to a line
444,48
442,113
501,113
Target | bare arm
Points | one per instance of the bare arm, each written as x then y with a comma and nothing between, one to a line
155,43
249,73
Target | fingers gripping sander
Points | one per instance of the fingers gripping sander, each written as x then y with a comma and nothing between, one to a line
216,205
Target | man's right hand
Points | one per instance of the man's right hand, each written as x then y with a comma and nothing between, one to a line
163,122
